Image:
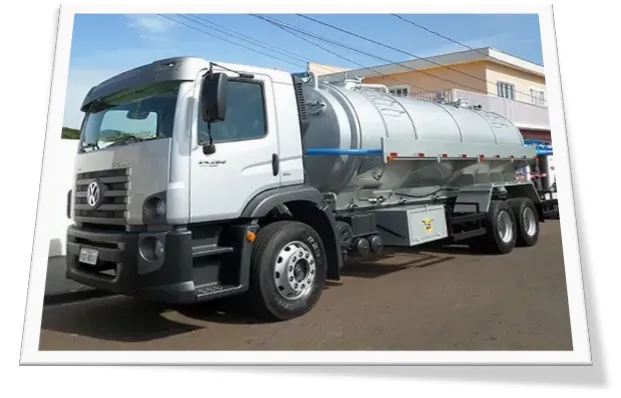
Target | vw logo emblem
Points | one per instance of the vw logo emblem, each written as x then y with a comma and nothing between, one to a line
93,194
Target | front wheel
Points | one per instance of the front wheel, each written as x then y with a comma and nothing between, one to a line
288,270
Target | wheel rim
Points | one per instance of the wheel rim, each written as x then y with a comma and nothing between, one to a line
505,226
294,271
529,221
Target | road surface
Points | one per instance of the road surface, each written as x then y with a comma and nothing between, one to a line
435,300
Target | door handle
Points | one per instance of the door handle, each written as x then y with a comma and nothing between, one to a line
275,164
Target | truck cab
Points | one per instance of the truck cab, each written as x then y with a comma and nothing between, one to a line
179,163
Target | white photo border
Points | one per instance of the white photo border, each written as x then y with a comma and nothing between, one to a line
580,355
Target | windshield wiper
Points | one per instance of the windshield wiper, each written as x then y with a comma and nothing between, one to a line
124,140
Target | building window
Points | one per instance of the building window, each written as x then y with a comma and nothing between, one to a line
399,91
537,97
506,90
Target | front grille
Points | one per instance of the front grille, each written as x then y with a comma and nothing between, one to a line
113,206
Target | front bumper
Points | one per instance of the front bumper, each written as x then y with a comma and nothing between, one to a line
122,269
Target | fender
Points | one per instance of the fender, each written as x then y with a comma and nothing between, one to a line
265,201
308,205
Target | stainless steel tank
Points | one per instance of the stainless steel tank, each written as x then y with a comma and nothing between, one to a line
348,116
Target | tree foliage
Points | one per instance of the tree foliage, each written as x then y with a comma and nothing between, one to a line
70,134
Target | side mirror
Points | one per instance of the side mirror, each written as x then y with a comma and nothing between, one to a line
213,97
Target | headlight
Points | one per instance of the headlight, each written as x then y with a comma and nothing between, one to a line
154,210
160,208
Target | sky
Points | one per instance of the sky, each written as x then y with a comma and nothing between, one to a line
106,44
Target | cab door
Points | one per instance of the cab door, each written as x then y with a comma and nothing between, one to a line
247,151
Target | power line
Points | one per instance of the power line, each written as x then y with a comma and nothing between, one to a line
242,36
435,33
226,40
280,26
451,40
306,33
405,52
392,48
259,43
240,45
245,38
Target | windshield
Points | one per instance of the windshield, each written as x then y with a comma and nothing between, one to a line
133,115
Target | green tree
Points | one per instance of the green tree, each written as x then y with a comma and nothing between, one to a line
70,134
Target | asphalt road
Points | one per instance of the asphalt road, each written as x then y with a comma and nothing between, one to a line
59,289
434,300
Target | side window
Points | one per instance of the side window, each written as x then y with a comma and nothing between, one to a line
245,114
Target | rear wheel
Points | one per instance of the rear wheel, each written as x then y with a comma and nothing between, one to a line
288,270
525,213
501,230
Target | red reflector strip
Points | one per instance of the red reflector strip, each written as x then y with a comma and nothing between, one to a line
444,155
421,155
463,155
393,154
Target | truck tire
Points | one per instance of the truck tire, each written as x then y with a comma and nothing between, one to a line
288,270
501,230
525,214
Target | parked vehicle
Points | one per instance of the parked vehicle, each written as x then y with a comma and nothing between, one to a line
196,181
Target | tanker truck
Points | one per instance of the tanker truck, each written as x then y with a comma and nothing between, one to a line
197,180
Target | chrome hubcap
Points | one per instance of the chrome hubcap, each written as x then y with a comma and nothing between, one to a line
529,221
294,271
505,226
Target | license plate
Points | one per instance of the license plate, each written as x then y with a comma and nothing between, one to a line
88,256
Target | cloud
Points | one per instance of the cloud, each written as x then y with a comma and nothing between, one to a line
151,27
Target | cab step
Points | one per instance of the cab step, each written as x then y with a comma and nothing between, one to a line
213,290
210,250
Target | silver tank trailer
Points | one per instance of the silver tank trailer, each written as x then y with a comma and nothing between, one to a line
351,116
